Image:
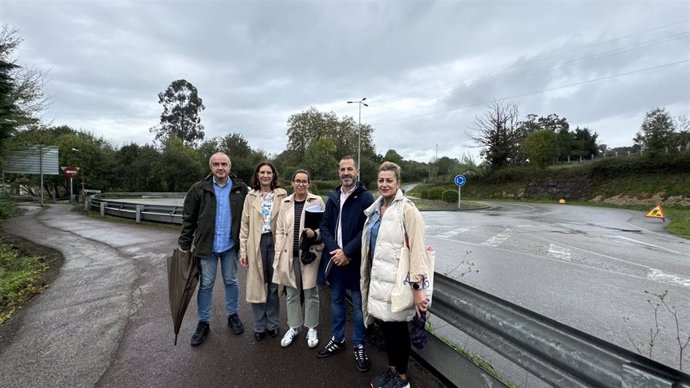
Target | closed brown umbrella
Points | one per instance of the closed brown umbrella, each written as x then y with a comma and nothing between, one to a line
183,277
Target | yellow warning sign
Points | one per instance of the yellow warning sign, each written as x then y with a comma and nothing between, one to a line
657,212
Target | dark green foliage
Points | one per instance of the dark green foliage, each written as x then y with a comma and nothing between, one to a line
9,110
318,140
541,148
181,108
450,196
436,193
616,167
656,132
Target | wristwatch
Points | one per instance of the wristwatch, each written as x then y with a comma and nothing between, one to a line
416,286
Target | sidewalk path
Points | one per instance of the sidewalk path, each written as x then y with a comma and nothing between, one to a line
105,321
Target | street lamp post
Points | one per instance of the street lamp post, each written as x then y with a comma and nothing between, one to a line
359,132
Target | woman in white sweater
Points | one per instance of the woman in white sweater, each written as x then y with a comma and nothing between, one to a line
393,222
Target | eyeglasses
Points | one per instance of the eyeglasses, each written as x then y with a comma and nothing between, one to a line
299,182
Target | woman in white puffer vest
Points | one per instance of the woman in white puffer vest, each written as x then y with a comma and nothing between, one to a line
390,219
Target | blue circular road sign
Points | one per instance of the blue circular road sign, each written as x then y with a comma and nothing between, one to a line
460,180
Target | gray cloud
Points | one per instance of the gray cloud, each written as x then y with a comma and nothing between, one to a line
428,68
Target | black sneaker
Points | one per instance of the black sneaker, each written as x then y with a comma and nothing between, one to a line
235,324
397,382
201,333
381,380
361,358
331,347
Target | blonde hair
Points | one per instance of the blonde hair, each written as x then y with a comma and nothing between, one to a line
390,166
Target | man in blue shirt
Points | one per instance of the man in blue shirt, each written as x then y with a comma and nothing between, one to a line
211,223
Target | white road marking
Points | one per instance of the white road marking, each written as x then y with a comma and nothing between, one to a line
498,239
453,232
645,243
660,276
559,252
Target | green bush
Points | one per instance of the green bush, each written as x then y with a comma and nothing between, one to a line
626,166
436,193
450,196
7,209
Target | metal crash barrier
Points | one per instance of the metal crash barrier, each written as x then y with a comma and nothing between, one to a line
557,354
105,205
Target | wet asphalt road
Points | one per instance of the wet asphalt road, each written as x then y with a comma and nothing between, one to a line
586,267
105,321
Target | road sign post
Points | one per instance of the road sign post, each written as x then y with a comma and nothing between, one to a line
460,181
70,172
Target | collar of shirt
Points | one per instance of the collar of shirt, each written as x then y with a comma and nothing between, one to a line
227,182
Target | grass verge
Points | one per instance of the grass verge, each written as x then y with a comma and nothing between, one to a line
21,276
680,222
20,279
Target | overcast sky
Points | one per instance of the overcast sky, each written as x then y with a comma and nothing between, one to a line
427,68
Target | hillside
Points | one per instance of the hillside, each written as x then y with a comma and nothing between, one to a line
619,181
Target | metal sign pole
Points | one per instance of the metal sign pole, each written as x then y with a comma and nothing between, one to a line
40,166
459,195
71,190
460,181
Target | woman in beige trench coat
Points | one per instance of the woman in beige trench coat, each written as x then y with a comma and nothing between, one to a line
298,278
257,252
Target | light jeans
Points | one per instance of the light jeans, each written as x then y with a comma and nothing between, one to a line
296,315
209,265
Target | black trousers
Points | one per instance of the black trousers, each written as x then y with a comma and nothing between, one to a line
397,338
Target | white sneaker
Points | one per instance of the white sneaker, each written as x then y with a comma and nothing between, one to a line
312,338
288,337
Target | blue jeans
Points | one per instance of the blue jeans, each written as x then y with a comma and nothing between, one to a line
228,265
339,311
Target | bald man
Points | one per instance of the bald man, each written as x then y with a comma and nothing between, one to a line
211,224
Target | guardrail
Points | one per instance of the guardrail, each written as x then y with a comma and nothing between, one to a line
558,354
104,204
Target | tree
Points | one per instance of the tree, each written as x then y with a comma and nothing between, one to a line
180,118
179,166
21,89
446,165
9,111
681,140
554,123
94,155
311,125
134,168
393,156
585,143
498,132
320,159
655,132
540,147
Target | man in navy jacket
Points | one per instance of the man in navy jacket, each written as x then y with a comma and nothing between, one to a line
341,231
